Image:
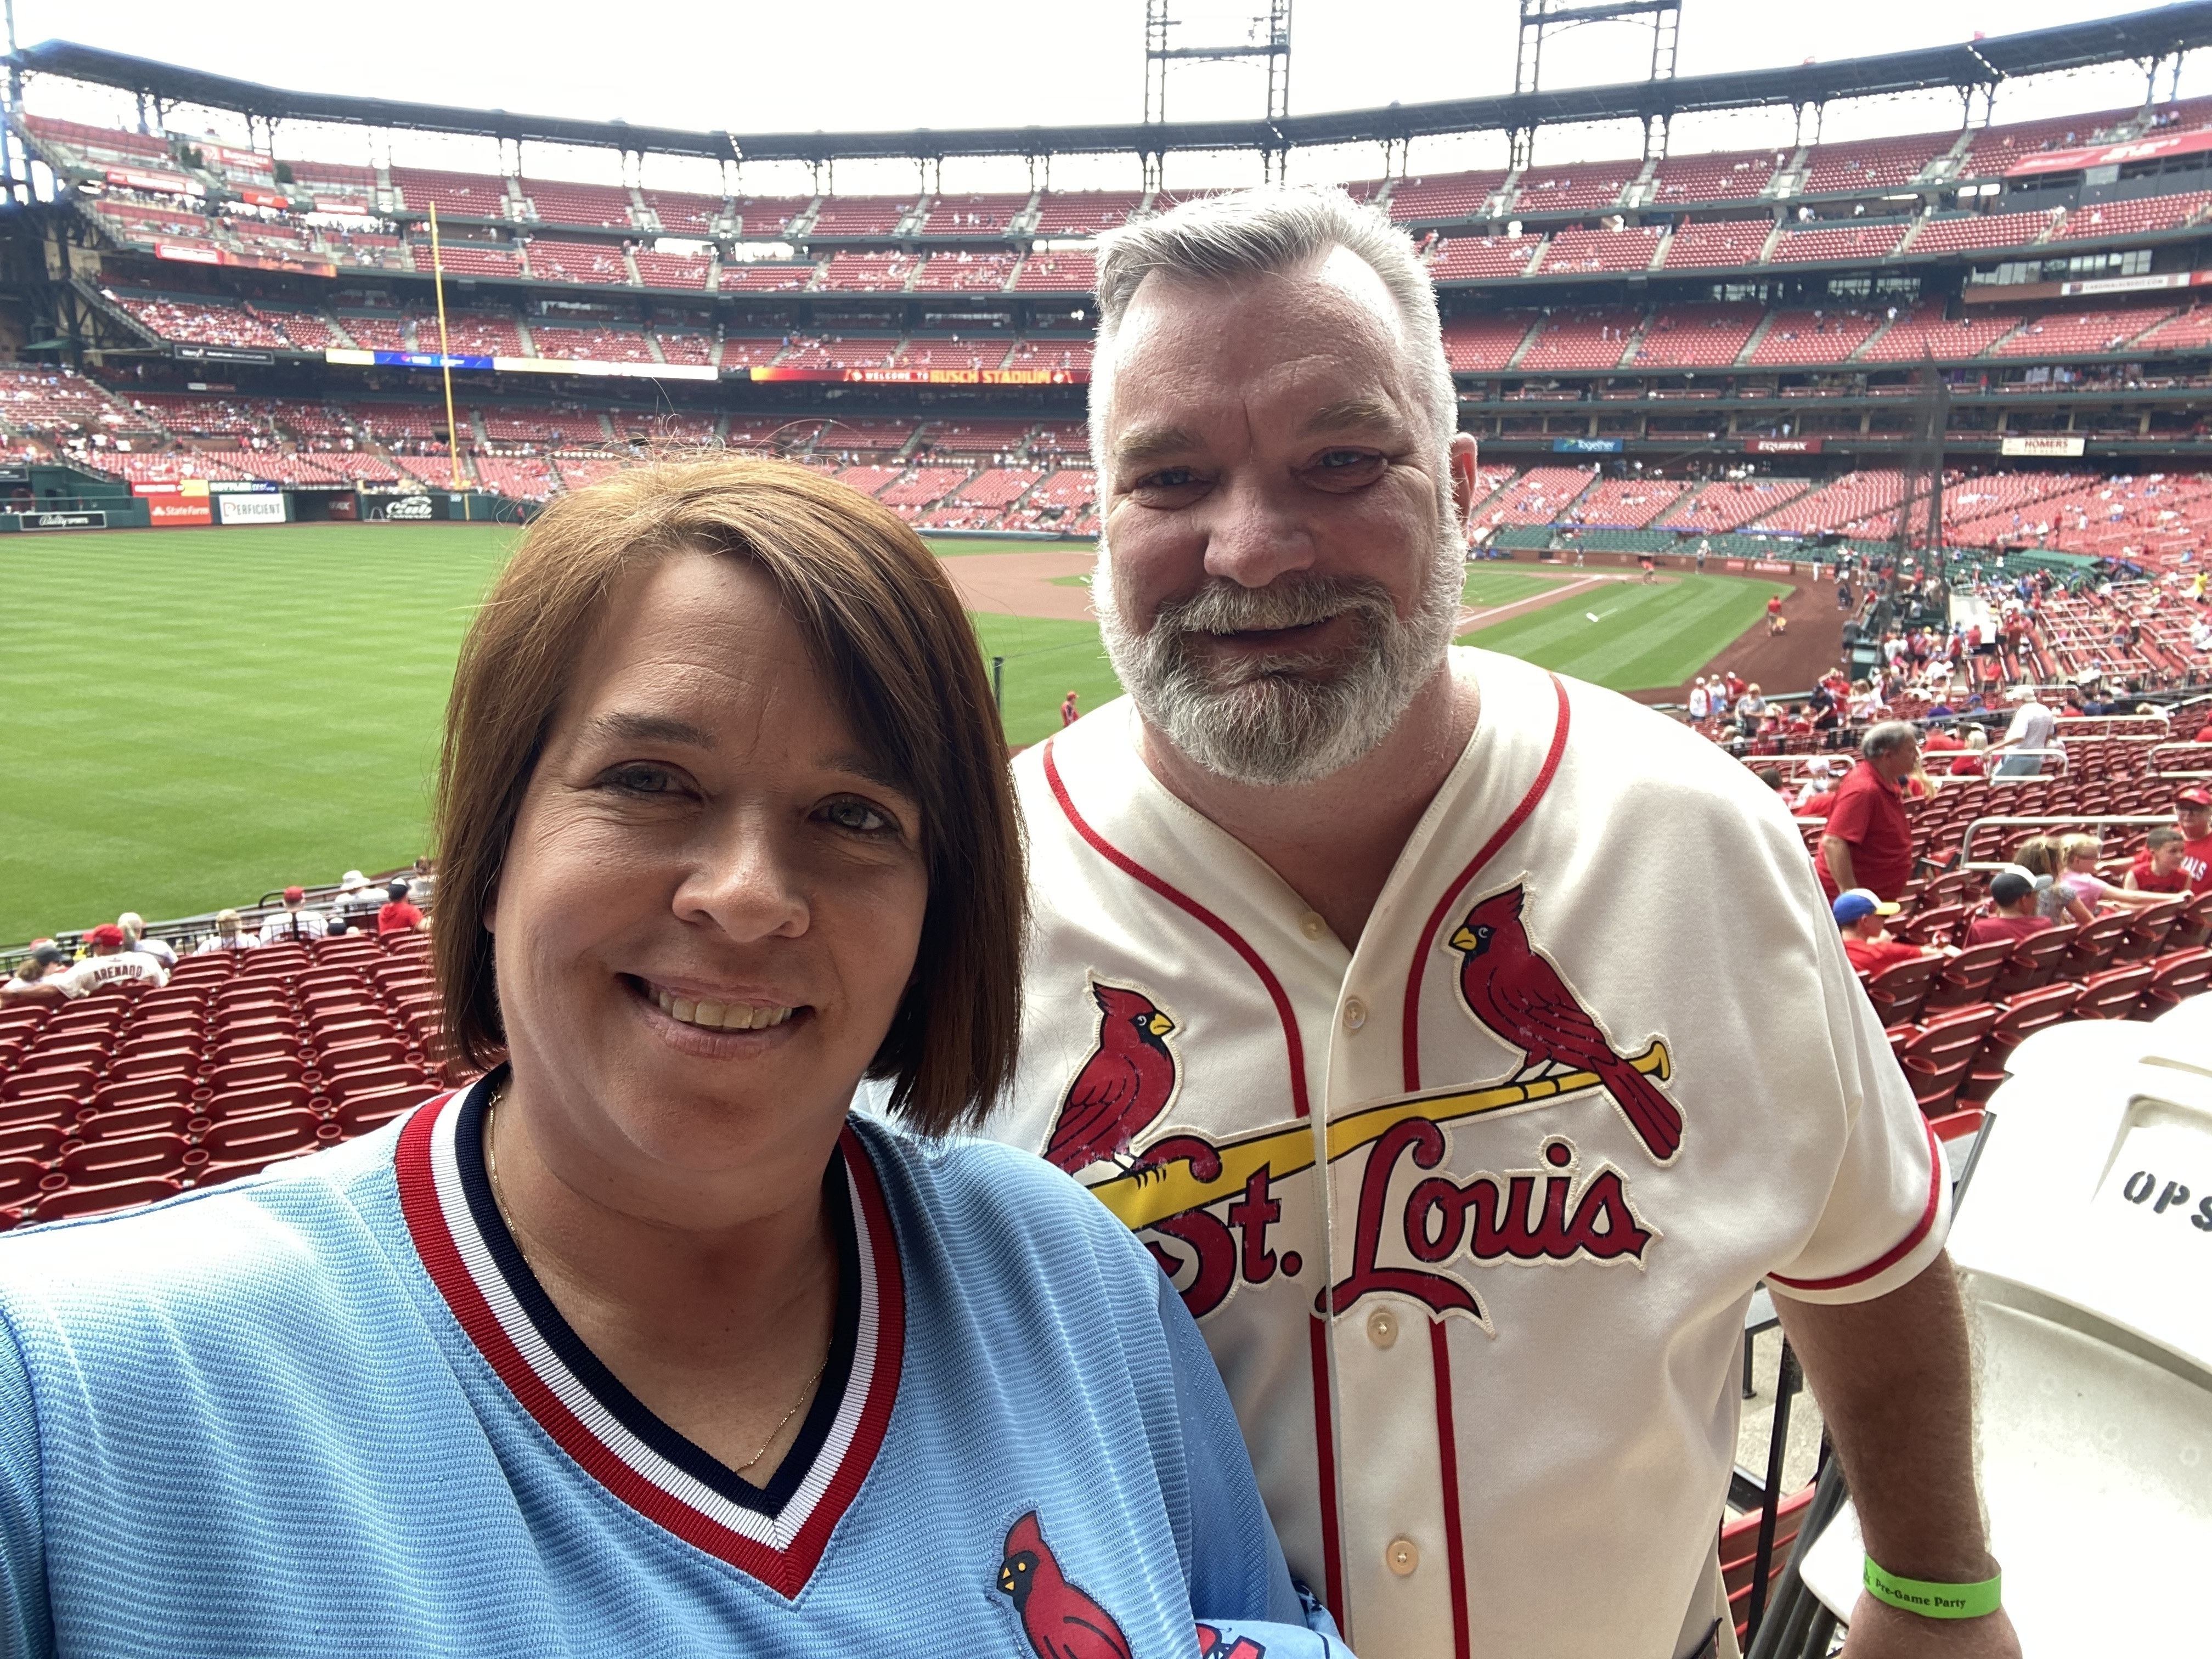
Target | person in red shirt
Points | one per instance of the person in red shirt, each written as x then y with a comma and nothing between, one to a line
2012,903
1869,842
2159,868
2192,815
1867,942
396,914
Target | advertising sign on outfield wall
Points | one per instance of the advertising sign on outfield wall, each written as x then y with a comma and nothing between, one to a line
1587,446
2044,444
927,376
1783,445
93,520
251,509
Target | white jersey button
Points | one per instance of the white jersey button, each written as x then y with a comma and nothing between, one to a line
1355,1013
1311,925
1381,1327
1403,1555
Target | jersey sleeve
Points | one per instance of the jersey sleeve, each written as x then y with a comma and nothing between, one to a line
25,1615
1888,1202
1240,1586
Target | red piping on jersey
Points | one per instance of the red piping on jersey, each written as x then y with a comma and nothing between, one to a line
1332,1544
1514,821
1896,1254
1128,866
1448,1470
784,1571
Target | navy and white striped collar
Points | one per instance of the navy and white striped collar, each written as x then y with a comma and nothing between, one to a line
776,1534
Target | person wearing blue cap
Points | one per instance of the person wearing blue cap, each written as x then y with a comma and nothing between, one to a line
1867,940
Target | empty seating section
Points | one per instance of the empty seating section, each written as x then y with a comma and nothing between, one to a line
1726,176
560,427
1085,212
838,352
683,346
768,276
682,214
739,353
666,426
1813,337
468,259
1538,497
1475,344
923,487
604,207
97,142
2073,333
372,333
1729,503
869,272
2000,496
954,354
973,216
1997,148
602,345
582,471
1870,164
1956,232
1067,271
1572,251
131,1094
867,479
1467,259
473,334
1926,331
865,435
860,216
459,195
1580,188
1445,199
1049,353
208,322
198,415
1065,499
2186,330
1584,337
1876,241
2143,215
770,217
1625,503
577,262
1862,503
1717,246
994,490
980,273
1696,335
983,435
519,478
686,271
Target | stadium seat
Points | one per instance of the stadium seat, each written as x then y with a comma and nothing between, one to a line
127,1157
121,1122
19,1179
2022,1016
1899,991
2148,930
2033,961
2194,926
2175,977
76,1079
2114,993
1740,1555
258,1099
1967,977
2092,950
75,1200
39,1142
234,1075
1940,924
364,1109
145,1092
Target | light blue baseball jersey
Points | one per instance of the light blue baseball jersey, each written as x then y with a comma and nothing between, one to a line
329,1411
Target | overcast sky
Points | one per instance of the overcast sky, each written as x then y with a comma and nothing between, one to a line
892,63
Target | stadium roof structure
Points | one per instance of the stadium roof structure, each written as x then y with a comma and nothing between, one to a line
2144,36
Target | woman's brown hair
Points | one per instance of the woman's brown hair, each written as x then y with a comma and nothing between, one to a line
889,634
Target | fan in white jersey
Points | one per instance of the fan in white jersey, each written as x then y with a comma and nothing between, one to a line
636,1346
1542,982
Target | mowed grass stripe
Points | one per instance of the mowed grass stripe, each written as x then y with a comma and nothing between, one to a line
1656,635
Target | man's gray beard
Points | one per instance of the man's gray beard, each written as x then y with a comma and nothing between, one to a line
1281,718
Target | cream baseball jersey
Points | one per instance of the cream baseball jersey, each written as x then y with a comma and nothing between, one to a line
1469,1212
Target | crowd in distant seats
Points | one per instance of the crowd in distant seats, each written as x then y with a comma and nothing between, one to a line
125,950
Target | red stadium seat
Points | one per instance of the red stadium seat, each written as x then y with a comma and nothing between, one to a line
20,1178
130,1158
1739,1555
39,1142
2023,1015
2194,926
364,1109
2114,993
1941,924
75,1200
237,1144
145,1091
258,1100
2035,960
1967,977
1899,991
77,1080
121,1122
2147,931
2176,977
233,1075
178,1061
2093,947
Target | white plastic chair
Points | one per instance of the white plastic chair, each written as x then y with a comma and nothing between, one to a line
2088,1280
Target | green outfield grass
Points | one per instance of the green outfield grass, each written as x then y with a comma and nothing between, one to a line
193,718
1650,636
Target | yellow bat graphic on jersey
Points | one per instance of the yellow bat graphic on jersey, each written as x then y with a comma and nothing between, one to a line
1139,1200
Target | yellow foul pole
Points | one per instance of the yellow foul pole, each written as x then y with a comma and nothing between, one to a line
445,360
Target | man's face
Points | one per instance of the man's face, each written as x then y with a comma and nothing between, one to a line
1286,531
1900,762
2195,821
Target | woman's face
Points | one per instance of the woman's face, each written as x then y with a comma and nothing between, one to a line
2084,858
712,900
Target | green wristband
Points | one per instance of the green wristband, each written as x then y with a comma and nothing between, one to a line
1934,1600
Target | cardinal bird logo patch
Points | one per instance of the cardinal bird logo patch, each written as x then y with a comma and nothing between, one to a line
1060,1620
1513,989
1129,1080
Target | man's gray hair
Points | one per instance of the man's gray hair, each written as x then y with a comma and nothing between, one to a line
1890,734
1251,232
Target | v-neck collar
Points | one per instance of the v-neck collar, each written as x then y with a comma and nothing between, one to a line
775,1533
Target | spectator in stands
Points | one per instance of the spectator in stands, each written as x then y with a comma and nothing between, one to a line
295,922
1867,940
33,980
1869,842
2012,896
2158,868
356,899
1701,704
1750,709
2192,816
2033,726
229,934
397,915
2076,890
134,938
106,962
421,882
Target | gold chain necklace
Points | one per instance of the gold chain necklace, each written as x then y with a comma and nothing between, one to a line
498,1203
